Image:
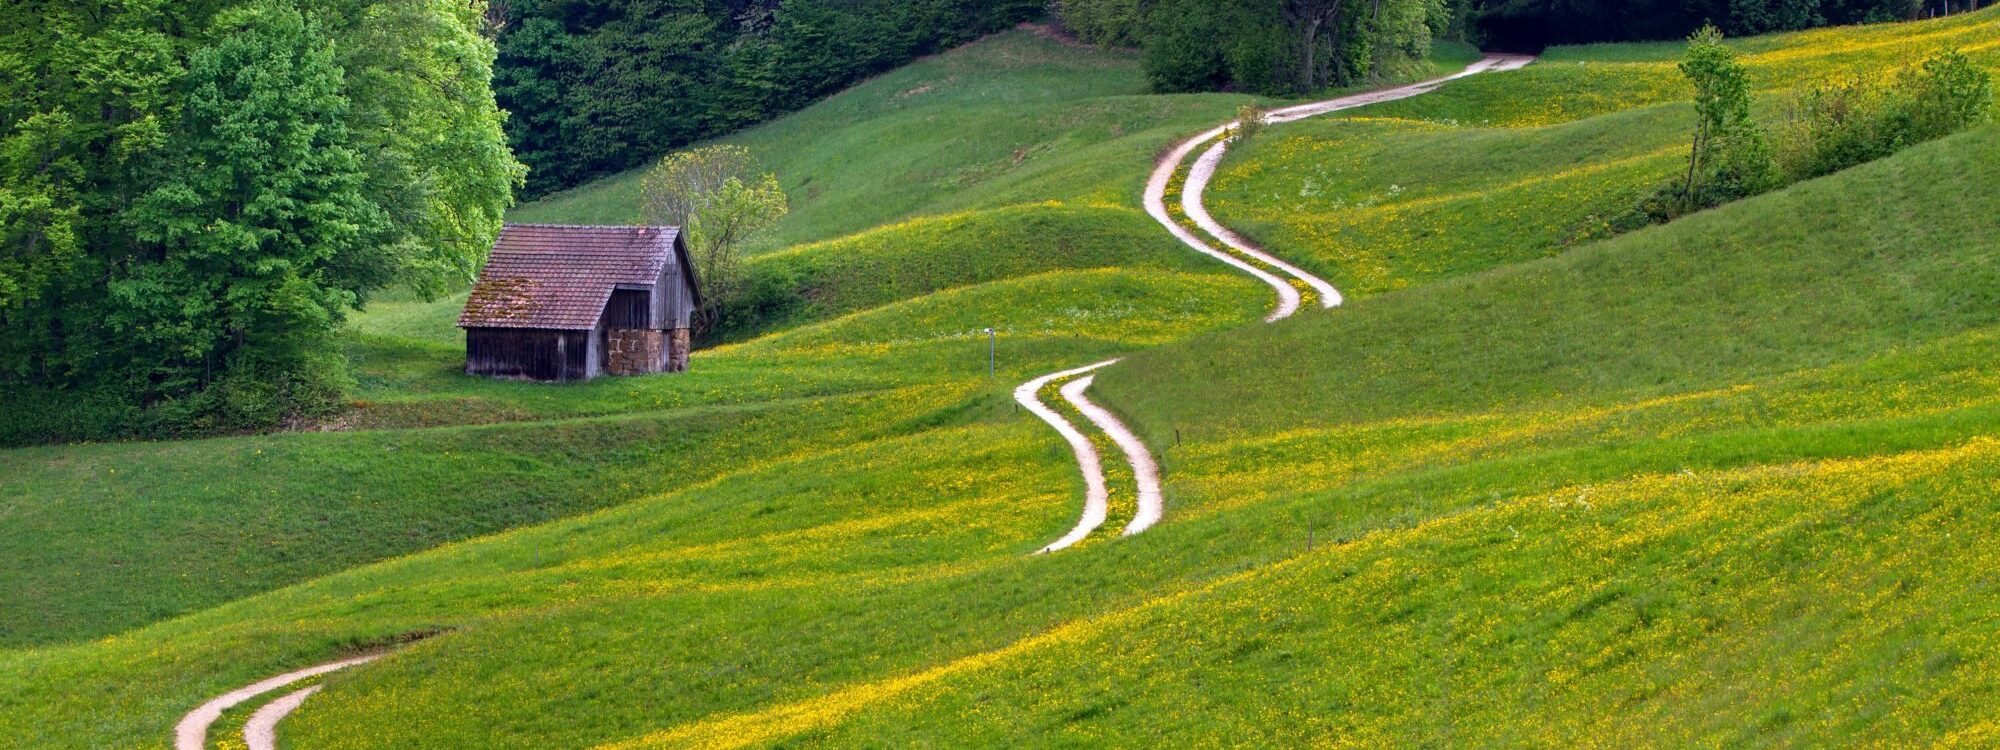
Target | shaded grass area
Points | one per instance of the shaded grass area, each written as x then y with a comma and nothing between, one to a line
165,520
1014,118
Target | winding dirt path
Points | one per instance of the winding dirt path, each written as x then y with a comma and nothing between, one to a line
192,732
1151,505
1156,205
1198,178
1203,170
1233,251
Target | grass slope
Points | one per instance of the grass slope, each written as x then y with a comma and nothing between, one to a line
1751,288
108,537
1501,169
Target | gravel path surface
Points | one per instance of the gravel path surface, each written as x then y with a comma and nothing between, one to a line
1145,472
1156,205
192,732
1191,201
261,732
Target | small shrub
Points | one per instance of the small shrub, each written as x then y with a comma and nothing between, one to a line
1947,94
1249,122
1839,124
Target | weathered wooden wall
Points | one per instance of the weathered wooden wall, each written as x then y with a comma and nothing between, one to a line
673,307
532,353
628,308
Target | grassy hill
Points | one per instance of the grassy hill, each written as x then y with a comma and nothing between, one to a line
1718,482
1495,170
884,341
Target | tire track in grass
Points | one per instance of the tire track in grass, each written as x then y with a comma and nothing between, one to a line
1233,251
1145,473
192,732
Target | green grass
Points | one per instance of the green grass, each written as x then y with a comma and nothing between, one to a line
1574,83
1715,483
110,537
164,518
1495,170
1750,288
1379,204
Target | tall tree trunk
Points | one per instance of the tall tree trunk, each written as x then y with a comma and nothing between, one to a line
1307,17
1694,166
1309,69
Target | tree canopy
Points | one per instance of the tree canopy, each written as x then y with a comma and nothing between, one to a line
1269,46
193,194
1534,23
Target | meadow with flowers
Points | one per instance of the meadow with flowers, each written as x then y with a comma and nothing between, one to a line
1720,482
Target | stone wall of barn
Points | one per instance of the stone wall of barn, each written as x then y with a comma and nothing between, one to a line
635,351
680,341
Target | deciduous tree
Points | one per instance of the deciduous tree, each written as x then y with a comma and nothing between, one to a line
715,196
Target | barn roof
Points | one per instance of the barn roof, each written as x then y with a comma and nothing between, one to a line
557,276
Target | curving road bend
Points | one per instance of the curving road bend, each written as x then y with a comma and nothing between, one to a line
261,732
1156,205
1204,168
1197,183
1096,497
1145,473
192,732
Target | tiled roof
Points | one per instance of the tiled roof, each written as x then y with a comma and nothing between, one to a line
559,277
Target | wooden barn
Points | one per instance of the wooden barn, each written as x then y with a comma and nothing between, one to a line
565,303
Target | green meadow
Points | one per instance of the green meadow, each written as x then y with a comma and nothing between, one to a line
1725,481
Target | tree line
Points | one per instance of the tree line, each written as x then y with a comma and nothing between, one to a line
193,195
1291,47
1276,47
1534,23
599,86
